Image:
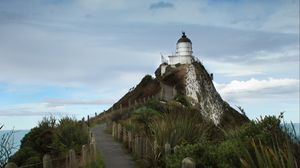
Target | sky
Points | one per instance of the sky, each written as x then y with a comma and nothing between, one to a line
78,57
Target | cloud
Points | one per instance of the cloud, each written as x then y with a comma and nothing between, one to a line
64,102
104,47
255,89
283,54
31,109
57,107
233,69
36,55
160,5
284,59
278,16
102,4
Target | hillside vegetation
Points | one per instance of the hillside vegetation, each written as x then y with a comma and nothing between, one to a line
187,113
257,143
51,136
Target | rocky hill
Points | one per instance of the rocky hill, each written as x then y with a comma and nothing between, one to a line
191,81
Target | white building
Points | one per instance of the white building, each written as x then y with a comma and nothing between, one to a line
184,52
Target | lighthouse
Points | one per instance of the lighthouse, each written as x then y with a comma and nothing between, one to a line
184,52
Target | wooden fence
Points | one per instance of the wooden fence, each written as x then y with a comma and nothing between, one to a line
142,147
88,155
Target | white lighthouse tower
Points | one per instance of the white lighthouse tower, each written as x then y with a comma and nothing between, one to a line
184,52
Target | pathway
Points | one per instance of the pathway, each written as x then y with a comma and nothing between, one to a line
114,155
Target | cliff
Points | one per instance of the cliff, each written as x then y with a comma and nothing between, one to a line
193,82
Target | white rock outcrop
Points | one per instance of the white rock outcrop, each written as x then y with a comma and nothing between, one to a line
202,91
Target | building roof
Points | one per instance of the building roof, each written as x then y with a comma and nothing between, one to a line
184,38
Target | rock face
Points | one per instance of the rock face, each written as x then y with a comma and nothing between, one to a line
193,82
192,86
201,89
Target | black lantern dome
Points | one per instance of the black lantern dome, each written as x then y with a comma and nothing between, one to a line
184,38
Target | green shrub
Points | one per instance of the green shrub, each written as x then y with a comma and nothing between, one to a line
51,137
183,100
33,160
23,154
268,145
39,139
146,79
177,128
155,105
267,130
116,116
265,156
204,154
71,134
260,143
119,115
144,116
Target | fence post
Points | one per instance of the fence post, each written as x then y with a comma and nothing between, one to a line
93,140
47,162
84,155
124,136
88,120
67,161
167,149
129,104
175,149
188,163
72,159
11,165
91,135
135,104
141,145
135,143
155,147
116,131
113,131
93,151
119,132
138,146
144,147
148,148
129,140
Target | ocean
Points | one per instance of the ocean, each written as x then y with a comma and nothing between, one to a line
17,137
297,128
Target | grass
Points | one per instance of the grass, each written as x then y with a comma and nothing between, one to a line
176,128
272,157
281,153
260,143
97,121
99,163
